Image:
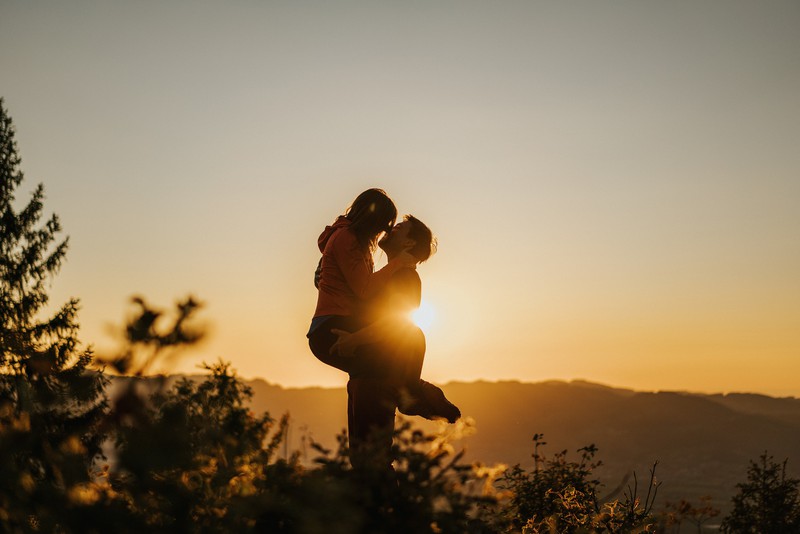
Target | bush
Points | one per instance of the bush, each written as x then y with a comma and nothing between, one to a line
561,496
196,460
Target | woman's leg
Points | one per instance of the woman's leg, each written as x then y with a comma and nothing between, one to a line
397,359
322,339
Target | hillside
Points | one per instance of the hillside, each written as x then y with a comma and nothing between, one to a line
702,442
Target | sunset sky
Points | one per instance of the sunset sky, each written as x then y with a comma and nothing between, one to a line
615,186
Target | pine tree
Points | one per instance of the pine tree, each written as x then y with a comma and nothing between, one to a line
50,402
768,503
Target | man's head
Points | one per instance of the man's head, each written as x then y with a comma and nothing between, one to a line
410,235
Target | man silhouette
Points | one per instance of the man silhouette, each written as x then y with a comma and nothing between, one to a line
396,348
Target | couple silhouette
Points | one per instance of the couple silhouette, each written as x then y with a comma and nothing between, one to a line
362,322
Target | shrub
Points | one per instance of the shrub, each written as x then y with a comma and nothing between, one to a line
562,496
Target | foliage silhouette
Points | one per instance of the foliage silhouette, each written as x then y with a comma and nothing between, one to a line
562,496
675,514
767,503
50,403
146,341
198,460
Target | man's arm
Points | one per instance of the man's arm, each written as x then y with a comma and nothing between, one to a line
357,269
402,296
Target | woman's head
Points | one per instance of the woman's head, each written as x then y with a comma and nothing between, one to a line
370,214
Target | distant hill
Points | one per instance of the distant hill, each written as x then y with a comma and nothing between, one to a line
702,442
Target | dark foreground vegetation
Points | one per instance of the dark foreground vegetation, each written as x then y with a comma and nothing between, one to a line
192,457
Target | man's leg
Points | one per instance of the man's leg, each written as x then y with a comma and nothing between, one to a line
398,358
371,411
404,354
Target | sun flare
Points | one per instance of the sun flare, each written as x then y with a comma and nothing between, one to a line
424,316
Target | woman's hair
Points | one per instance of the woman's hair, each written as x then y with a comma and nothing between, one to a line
425,242
370,214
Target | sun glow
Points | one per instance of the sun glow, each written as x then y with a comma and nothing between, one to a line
424,315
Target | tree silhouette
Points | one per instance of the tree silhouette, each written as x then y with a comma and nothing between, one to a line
50,404
768,503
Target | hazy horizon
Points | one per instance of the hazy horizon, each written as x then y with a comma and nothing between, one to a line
571,381
614,185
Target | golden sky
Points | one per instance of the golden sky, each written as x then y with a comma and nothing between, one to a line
615,185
